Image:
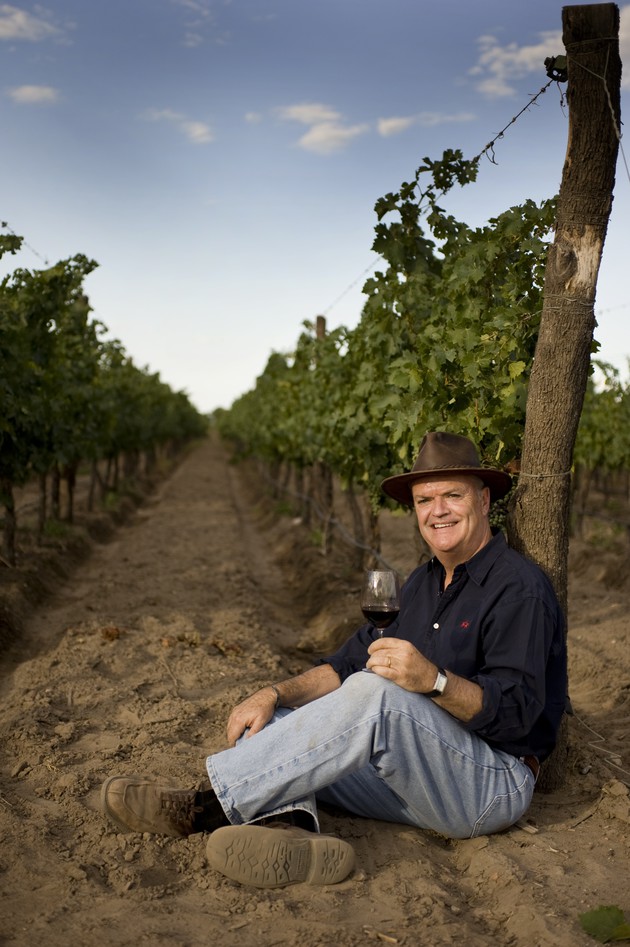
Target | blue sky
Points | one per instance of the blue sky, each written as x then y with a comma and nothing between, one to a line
220,159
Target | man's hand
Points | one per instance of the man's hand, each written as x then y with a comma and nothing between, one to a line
399,661
256,711
251,714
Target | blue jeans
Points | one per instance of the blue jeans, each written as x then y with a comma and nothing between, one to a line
378,751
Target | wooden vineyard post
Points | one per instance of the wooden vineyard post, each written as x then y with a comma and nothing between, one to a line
539,517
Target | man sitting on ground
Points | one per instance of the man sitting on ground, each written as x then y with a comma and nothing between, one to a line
447,733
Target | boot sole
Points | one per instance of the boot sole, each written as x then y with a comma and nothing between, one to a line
270,858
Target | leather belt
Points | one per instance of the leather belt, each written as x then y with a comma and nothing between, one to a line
532,763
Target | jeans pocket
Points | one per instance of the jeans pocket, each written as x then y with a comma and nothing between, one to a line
504,810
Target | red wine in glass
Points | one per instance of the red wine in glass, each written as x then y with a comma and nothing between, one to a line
380,597
380,616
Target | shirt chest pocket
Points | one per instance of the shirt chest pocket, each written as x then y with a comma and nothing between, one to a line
460,641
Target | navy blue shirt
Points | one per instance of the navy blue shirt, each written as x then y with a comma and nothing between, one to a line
499,624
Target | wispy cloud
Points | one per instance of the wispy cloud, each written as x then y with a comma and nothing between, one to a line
328,132
34,95
324,138
200,24
430,119
499,67
198,7
16,24
308,113
395,125
192,40
199,133
398,124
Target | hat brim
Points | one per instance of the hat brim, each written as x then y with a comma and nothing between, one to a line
399,487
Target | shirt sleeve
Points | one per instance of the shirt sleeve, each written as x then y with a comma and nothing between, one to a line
353,654
516,648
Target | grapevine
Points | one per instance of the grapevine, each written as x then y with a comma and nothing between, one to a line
66,393
445,340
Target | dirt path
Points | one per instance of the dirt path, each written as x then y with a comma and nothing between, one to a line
133,668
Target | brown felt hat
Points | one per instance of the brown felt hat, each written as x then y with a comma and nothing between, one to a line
442,453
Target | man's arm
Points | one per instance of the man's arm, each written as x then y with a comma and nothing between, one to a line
462,698
256,711
314,683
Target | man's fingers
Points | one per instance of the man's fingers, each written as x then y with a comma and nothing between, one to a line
251,715
234,731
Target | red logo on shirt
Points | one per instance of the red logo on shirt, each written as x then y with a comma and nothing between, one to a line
465,624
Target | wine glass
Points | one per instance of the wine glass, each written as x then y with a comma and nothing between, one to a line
380,597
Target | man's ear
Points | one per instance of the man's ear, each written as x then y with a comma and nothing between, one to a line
486,500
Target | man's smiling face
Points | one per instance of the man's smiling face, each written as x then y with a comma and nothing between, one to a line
452,516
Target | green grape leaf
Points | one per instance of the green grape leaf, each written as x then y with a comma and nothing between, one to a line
606,923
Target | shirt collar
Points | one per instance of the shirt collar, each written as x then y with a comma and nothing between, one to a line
481,563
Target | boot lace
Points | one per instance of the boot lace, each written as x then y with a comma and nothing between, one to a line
179,808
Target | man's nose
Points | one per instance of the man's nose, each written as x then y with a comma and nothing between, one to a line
440,507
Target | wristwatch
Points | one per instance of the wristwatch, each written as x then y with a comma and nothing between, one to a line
440,684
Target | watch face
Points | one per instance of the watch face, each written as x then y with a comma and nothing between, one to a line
440,684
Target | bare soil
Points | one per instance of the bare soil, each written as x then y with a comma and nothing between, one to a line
131,663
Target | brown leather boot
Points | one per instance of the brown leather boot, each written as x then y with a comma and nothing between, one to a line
145,804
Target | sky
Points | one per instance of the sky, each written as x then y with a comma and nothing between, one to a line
220,159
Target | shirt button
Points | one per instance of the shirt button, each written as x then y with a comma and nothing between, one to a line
436,625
